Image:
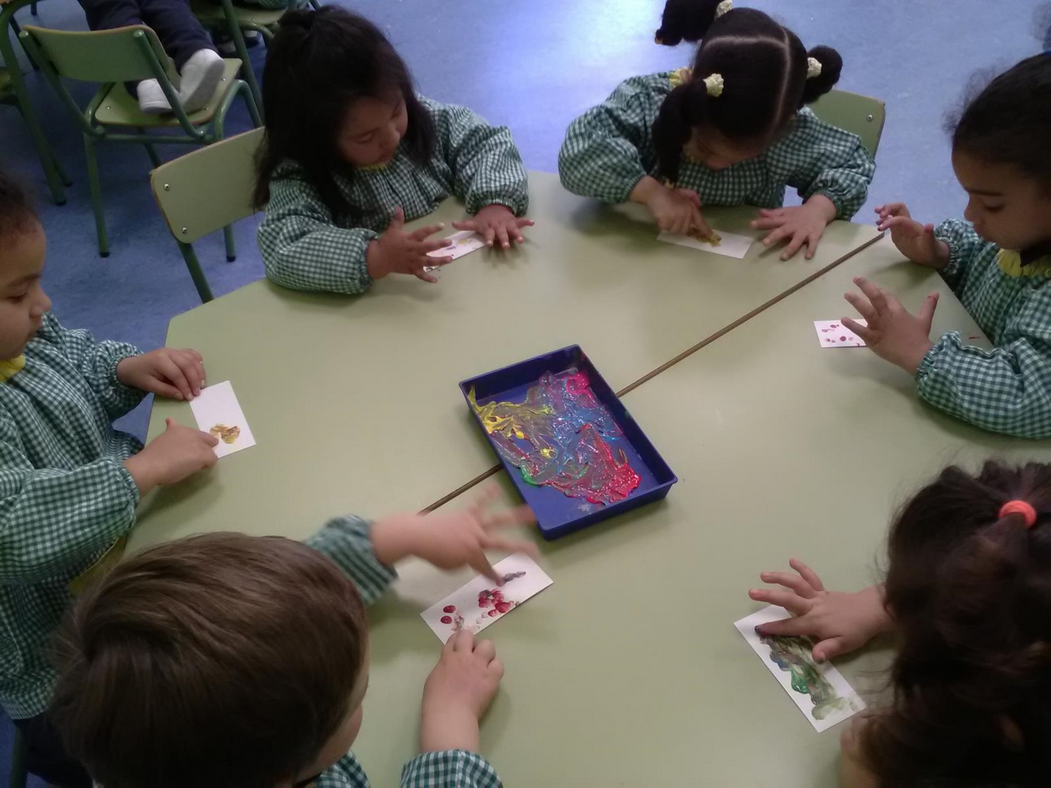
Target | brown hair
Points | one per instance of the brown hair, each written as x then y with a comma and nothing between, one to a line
219,660
971,594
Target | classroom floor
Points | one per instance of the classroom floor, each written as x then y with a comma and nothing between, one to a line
530,64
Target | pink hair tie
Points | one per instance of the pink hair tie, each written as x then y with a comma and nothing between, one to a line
1020,507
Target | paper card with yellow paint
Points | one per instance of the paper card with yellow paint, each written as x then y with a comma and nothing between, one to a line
218,412
819,690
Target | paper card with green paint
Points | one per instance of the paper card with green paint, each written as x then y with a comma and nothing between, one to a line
820,691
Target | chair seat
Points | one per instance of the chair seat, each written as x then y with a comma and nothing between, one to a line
211,13
119,108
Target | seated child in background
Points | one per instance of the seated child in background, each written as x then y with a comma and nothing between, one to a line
233,661
69,482
732,130
183,37
968,590
351,152
998,263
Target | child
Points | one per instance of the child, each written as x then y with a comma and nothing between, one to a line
184,40
998,263
968,591
69,482
731,130
229,660
351,152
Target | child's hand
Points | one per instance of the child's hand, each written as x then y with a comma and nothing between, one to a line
457,693
399,252
176,374
914,240
839,622
800,224
892,332
496,222
175,454
452,539
678,211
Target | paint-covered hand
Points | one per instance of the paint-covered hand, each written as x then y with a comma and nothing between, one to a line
678,211
172,456
457,693
496,223
799,225
839,622
452,539
399,252
176,374
893,333
914,240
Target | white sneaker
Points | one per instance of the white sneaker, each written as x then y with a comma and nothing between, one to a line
152,100
200,77
225,44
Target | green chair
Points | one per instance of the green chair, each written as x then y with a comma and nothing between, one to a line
857,114
128,54
225,17
204,191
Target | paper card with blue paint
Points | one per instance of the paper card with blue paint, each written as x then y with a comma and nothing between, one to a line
463,242
482,602
820,691
727,244
218,412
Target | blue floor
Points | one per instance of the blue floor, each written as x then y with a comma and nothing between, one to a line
533,65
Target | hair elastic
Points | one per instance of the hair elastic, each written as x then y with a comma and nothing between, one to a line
714,84
1023,508
813,67
723,7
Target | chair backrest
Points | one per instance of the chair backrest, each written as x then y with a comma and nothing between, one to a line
857,114
124,54
209,188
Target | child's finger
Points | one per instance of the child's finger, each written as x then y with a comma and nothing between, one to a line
866,334
490,236
863,306
700,225
793,246
787,627
521,223
876,294
501,234
481,564
828,649
174,374
434,244
166,390
485,650
426,276
519,515
811,244
807,574
465,224
397,221
779,234
191,369
462,641
789,580
793,603
423,233
926,313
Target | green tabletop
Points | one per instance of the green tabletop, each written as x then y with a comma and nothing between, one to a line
628,671
354,400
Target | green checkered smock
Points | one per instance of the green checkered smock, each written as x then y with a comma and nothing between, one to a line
65,496
305,247
609,149
1007,389
348,542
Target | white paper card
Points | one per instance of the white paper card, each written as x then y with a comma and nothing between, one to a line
823,695
832,333
481,602
218,412
463,242
729,244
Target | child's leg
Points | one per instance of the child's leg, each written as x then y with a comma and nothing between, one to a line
47,758
108,14
180,32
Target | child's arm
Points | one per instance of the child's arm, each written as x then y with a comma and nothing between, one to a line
968,253
98,362
302,247
487,168
819,159
602,155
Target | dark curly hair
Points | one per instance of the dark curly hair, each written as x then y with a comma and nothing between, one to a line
16,209
319,63
970,592
763,65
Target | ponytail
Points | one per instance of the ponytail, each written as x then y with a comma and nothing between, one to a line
681,111
831,67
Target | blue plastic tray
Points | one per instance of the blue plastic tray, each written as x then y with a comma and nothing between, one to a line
557,514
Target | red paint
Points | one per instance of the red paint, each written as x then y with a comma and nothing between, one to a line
449,609
503,607
842,339
446,620
494,612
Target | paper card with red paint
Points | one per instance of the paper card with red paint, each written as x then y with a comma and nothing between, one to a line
819,690
463,242
832,333
482,602
727,244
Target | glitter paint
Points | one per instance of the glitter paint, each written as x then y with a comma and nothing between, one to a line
559,436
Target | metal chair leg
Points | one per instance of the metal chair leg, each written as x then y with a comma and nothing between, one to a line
96,195
18,774
150,149
247,72
194,267
228,239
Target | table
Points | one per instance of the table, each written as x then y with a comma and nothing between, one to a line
354,401
628,670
